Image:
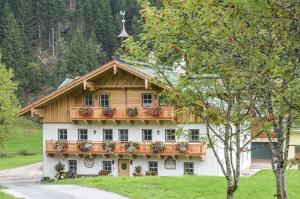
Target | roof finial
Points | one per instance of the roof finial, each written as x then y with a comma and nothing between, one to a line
123,34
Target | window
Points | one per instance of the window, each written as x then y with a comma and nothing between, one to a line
153,166
104,100
73,166
189,168
170,135
62,134
82,134
194,135
123,135
147,99
147,134
297,149
88,100
107,166
107,134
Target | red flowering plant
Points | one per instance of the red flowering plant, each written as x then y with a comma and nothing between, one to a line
85,112
108,112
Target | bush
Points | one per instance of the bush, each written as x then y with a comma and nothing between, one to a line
60,170
46,179
151,173
3,155
138,171
104,173
24,152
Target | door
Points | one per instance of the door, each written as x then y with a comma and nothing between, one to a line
123,167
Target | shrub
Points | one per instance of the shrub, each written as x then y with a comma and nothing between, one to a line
46,179
104,173
3,155
138,171
24,152
151,173
60,170
157,147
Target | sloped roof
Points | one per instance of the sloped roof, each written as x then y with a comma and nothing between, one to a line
68,84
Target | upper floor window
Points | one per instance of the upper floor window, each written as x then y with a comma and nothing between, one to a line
170,135
194,136
107,134
147,134
189,168
62,134
104,100
88,100
147,99
123,135
73,166
82,134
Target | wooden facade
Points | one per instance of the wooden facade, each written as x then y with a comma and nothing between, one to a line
144,149
122,84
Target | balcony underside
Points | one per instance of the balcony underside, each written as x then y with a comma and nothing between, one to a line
143,150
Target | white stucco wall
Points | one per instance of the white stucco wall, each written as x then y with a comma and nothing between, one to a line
208,166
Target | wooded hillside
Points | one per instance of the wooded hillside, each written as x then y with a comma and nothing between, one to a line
45,41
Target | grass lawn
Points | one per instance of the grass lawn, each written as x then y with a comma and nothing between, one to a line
259,186
4,195
23,147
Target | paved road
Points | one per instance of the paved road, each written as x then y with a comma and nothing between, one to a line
23,183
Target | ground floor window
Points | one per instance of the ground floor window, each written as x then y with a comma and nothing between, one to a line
153,166
189,168
73,166
107,166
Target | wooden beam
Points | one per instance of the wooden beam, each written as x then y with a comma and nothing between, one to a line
38,112
129,122
118,86
115,69
91,86
146,84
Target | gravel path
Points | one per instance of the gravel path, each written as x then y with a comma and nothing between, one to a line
23,182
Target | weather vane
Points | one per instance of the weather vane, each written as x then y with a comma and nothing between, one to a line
123,34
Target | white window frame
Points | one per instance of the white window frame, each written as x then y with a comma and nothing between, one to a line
195,135
62,134
72,165
81,136
168,136
153,166
121,138
105,134
188,168
107,166
147,102
104,97
146,133
88,102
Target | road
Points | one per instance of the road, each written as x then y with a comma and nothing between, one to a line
24,183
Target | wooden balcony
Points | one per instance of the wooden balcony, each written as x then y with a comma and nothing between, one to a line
120,113
297,156
144,149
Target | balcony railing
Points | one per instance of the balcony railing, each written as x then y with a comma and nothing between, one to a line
120,113
144,149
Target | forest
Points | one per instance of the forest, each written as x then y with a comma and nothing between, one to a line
46,41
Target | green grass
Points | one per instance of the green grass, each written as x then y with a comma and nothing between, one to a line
4,195
259,186
23,147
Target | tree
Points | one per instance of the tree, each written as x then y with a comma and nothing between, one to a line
231,69
8,103
94,54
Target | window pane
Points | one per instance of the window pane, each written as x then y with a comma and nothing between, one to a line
170,135
107,134
73,166
153,166
194,135
88,100
62,134
82,134
104,100
147,134
189,168
123,135
107,166
147,99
